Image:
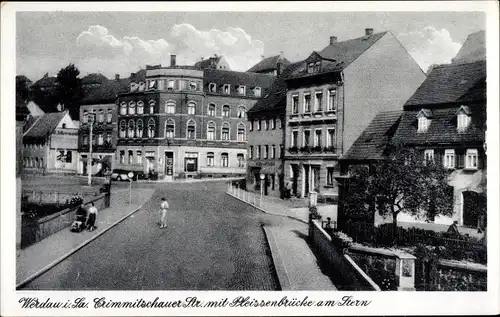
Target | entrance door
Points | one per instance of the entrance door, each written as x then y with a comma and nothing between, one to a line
295,180
169,166
306,180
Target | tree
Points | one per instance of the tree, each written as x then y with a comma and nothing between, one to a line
404,182
69,89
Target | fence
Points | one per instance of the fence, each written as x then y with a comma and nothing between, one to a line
34,230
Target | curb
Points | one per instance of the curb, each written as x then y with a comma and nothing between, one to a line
267,212
71,252
283,278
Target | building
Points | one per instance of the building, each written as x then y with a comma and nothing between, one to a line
272,65
214,62
473,49
99,105
50,144
333,97
266,138
187,122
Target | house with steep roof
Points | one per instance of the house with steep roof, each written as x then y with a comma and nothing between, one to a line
50,144
333,96
473,49
272,65
214,62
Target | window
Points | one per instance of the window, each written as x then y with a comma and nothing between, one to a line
170,106
139,157
110,115
273,123
294,139
131,107
191,162
64,125
241,90
211,110
211,131
85,140
258,125
85,117
295,104
227,89
449,158
212,87
225,131
318,102
193,86
429,155
122,157
151,128
423,124
210,159
225,111
140,107
317,67
123,108
131,129
241,132
191,130
471,159
282,152
307,103
463,121
170,84
310,68
152,104
251,152
100,117
317,138
108,138
191,108
152,84
265,152
170,129
273,151
329,176
306,137
279,123
264,124
241,112
123,129
331,138
257,154
224,160
100,139
131,157
332,100
250,125
241,159
139,128
257,92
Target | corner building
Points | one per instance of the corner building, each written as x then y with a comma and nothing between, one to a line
185,122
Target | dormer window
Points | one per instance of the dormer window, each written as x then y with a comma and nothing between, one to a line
257,91
310,68
152,84
170,84
424,120
142,86
192,86
212,87
241,90
227,89
463,117
317,66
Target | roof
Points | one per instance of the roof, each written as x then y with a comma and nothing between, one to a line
473,49
94,79
442,129
44,125
449,83
249,80
23,79
139,76
107,92
268,64
46,81
373,142
209,63
275,98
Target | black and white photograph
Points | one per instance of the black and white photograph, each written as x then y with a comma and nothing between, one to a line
343,153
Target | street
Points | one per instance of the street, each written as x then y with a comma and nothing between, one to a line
212,242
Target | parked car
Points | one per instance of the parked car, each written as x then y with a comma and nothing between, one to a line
122,175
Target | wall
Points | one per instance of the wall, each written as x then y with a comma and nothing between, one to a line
454,276
382,78
380,266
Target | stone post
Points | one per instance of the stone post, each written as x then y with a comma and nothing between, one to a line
405,271
313,199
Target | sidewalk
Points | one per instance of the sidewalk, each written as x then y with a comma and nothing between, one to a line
38,258
296,265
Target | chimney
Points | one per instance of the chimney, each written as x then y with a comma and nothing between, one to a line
333,39
117,77
368,31
172,60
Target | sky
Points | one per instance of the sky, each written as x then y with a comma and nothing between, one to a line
122,42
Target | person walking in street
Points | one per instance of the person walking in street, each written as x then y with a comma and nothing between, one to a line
92,218
163,212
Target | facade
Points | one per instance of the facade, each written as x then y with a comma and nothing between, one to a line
266,137
186,122
50,144
272,65
333,97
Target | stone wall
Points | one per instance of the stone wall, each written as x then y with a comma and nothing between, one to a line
456,276
380,266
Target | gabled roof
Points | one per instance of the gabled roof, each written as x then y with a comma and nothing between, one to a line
449,83
107,92
268,64
209,63
375,139
275,98
233,78
45,125
94,78
473,49
46,81
442,129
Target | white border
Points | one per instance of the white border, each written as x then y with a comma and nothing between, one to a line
388,303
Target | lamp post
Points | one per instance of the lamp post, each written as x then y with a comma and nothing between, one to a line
262,176
89,161
130,178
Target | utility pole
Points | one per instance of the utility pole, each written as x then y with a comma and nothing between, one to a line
89,161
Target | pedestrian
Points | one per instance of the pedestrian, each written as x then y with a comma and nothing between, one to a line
453,229
92,218
163,212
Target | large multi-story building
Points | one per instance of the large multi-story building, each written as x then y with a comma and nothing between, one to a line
187,122
333,96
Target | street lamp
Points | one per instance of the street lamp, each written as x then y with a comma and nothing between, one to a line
130,178
262,176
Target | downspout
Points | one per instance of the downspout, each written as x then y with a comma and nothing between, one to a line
343,108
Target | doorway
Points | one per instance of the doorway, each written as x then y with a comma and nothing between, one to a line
169,166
